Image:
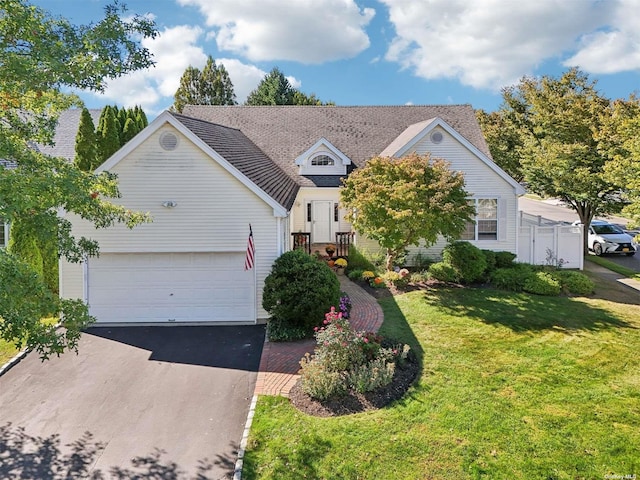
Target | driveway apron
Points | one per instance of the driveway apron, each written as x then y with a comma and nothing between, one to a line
133,401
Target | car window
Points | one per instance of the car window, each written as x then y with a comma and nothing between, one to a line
606,229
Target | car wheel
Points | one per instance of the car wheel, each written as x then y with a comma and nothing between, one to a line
597,249
631,254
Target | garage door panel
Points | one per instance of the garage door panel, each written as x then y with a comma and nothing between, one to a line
167,287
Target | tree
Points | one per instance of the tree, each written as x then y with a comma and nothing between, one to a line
401,202
43,58
215,85
619,140
273,89
109,140
130,130
86,143
211,86
558,121
504,140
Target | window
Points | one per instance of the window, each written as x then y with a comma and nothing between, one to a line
308,212
323,160
336,213
485,225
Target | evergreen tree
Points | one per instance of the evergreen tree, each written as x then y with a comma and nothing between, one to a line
130,130
273,89
187,93
86,143
211,86
215,85
109,140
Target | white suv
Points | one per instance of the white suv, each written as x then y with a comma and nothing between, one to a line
604,237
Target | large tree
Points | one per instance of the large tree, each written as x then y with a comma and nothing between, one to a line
43,57
211,86
403,202
558,120
504,140
275,89
620,141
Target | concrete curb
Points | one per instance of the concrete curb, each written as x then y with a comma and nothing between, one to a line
237,472
13,362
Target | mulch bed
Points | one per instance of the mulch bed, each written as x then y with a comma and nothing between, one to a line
355,402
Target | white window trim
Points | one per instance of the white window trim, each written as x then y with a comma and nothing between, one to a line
500,207
5,227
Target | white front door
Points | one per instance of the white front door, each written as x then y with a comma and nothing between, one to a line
321,217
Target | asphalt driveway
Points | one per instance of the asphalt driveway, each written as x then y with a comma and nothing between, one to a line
136,402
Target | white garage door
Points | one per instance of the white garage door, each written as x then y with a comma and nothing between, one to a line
170,287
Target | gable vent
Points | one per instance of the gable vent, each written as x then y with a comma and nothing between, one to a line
168,141
436,137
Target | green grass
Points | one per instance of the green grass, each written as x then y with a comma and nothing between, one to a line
514,386
614,267
7,351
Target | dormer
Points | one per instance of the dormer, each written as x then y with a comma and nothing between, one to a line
323,159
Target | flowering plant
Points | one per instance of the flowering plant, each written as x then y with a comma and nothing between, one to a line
340,263
330,248
377,282
368,275
345,305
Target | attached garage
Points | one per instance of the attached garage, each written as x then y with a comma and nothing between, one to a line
170,287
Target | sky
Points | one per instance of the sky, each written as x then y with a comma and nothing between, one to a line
377,52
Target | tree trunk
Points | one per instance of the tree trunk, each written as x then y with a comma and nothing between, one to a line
389,260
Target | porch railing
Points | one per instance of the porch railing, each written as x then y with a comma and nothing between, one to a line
343,241
302,241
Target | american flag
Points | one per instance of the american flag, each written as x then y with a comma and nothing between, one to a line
251,251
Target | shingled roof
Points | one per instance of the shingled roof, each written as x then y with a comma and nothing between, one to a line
285,132
66,130
243,154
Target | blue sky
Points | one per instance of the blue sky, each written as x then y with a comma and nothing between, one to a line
378,52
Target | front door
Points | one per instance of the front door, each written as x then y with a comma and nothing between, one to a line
321,216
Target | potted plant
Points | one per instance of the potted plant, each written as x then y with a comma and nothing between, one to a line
330,249
340,265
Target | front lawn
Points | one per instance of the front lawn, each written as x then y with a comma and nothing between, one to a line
514,386
7,351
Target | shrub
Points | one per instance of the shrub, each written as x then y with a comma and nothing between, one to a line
355,275
505,259
283,331
574,282
467,261
358,261
345,359
442,272
318,382
513,278
374,374
297,292
368,275
418,277
490,258
398,279
542,283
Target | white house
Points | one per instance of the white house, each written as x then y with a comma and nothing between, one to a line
208,174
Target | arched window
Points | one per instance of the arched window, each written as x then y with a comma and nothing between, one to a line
323,160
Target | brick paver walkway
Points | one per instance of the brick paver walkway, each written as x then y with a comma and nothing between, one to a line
279,363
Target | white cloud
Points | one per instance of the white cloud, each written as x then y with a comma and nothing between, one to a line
174,49
487,43
616,49
305,31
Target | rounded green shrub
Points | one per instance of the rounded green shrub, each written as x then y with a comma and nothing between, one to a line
466,259
298,292
490,258
505,259
442,272
574,282
355,275
513,278
542,283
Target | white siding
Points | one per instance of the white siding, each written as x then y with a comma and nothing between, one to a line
71,280
213,209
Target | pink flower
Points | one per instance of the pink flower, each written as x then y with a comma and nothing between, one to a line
366,340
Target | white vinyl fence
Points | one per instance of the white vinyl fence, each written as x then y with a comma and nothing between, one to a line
543,243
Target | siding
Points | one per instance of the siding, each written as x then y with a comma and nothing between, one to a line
71,280
213,209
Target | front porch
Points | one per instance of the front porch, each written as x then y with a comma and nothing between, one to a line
303,240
